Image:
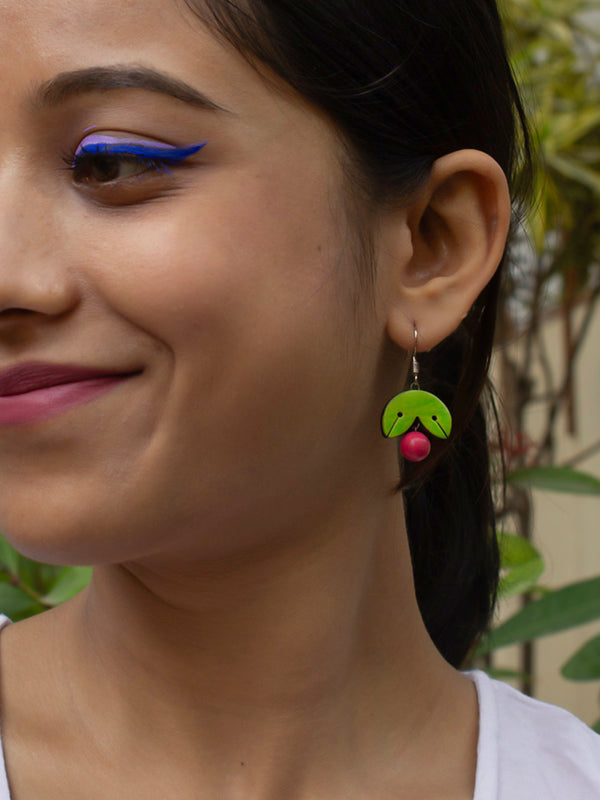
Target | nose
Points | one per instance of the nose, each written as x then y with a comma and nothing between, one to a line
34,274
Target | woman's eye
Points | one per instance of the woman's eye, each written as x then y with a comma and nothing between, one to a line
106,168
105,159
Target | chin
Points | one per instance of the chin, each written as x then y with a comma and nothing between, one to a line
67,539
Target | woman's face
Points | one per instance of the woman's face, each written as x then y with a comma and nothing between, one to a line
218,282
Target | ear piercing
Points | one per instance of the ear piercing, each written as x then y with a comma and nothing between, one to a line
413,408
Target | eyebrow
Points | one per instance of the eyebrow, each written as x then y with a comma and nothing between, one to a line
66,85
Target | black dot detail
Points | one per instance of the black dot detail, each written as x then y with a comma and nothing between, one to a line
434,418
400,414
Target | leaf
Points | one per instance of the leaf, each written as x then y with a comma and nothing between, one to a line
521,579
584,665
9,558
596,726
515,550
71,581
14,601
556,479
557,611
45,576
521,562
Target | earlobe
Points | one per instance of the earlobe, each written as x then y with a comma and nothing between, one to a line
458,225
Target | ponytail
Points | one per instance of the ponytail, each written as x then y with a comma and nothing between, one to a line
451,525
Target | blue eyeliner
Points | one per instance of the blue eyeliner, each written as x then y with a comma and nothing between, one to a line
105,158
163,154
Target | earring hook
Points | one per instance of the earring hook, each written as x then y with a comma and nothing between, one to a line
415,363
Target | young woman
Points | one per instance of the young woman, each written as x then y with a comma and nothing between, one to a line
225,229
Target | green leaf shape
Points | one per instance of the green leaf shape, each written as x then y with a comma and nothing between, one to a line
37,576
70,581
556,479
596,726
584,665
9,558
403,409
515,550
556,611
522,563
521,579
14,602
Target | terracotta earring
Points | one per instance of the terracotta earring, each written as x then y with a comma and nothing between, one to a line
413,408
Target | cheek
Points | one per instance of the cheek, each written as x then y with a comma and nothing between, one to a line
237,256
249,293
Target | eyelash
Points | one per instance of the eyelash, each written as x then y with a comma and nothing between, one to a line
148,158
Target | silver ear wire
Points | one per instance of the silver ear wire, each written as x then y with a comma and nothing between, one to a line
415,363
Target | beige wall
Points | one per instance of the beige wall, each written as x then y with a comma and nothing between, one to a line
567,531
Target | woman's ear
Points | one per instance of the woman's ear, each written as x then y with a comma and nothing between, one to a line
457,225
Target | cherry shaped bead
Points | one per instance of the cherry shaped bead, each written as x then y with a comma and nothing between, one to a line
415,446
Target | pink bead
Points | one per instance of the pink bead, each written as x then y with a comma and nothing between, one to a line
415,446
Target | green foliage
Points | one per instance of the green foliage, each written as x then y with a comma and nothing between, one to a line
555,56
69,582
555,48
558,610
584,665
556,479
522,565
553,610
28,587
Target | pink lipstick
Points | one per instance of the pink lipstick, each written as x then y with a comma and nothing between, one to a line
34,391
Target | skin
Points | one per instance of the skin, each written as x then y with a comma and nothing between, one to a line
251,629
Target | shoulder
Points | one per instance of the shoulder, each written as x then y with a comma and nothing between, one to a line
537,750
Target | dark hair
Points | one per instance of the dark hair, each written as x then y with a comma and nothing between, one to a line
408,81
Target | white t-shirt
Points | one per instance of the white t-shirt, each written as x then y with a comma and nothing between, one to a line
527,750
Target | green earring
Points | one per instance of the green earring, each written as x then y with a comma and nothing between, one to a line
412,407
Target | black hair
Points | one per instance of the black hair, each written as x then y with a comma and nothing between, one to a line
406,82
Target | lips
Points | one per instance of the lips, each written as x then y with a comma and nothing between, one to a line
30,377
34,391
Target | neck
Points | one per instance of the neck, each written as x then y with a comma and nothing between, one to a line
300,656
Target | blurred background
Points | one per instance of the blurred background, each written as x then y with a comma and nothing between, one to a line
546,371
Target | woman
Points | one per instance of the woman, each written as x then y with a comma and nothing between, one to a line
225,229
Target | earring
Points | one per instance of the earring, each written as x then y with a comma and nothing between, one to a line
411,408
